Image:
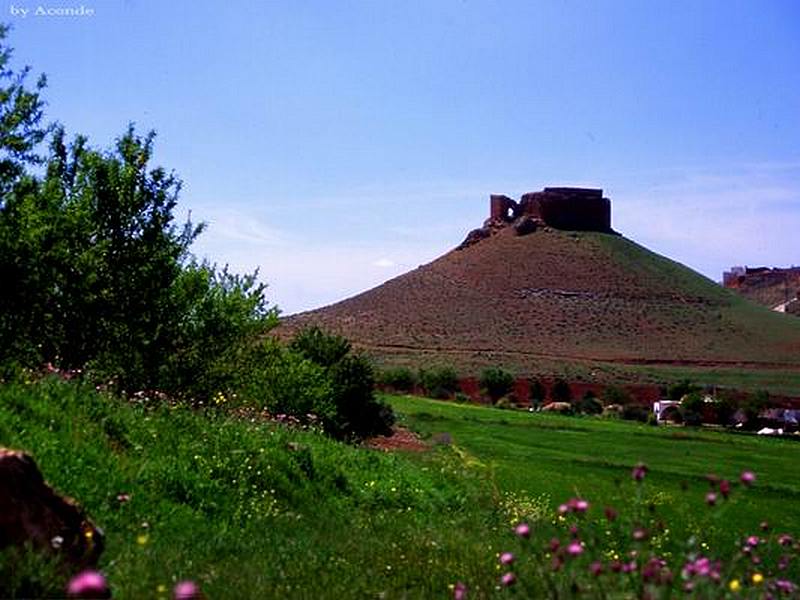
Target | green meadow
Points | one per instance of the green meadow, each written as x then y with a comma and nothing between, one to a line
560,456
250,508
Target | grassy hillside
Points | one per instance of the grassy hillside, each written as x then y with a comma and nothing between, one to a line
555,298
248,509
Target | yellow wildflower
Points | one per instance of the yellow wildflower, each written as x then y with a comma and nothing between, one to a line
757,578
734,585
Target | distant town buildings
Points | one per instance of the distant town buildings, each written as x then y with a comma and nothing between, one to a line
777,288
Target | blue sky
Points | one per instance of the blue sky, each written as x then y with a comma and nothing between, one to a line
337,144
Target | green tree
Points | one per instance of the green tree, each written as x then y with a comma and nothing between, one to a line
21,118
560,391
496,382
536,392
439,382
615,395
682,388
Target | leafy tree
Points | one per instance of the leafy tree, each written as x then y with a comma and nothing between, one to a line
589,404
615,395
725,408
496,382
439,382
102,277
401,379
692,408
21,116
682,388
323,348
536,392
753,406
560,391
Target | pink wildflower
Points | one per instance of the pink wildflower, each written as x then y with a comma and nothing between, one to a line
523,530
711,498
785,539
459,591
753,540
575,548
747,478
639,471
629,567
506,558
187,590
508,579
725,488
88,584
596,568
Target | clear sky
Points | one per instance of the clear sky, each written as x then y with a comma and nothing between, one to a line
336,144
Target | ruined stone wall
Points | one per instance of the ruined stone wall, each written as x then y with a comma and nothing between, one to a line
502,208
569,208
562,208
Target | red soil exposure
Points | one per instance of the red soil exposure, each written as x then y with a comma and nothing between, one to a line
640,393
401,439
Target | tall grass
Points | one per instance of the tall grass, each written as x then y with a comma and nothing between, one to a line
244,507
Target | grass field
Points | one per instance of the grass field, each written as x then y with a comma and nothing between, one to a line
250,509
562,456
544,460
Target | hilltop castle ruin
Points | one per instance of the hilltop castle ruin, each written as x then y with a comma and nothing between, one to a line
581,209
575,209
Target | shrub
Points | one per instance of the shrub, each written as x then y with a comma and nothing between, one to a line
615,395
496,383
725,408
682,388
358,413
285,382
560,391
536,392
752,408
355,412
634,412
692,407
590,405
401,379
439,382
